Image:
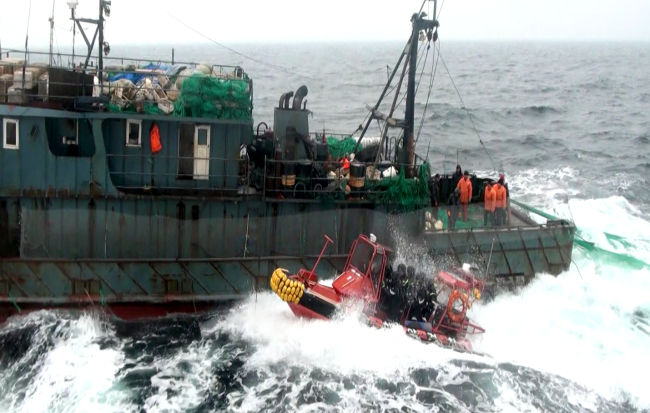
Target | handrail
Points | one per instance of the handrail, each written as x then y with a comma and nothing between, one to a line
7,53
156,88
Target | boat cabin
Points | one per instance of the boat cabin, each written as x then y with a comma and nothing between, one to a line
364,269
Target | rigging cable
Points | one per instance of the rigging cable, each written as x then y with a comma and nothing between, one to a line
270,65
466,110
426,105
395,86
419,80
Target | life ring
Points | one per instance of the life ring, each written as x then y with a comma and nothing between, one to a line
454,316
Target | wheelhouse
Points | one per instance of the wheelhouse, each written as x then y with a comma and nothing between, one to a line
364,269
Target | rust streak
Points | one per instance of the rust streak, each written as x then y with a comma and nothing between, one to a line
38,277
225,279
251,272
193,277
101,278
14,282
255,277
132,279
64,272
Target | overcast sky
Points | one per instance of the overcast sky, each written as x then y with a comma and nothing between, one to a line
259,21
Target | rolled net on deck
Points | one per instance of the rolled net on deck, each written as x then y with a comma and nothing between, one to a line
209,97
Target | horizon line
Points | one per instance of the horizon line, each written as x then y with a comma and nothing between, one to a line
332,41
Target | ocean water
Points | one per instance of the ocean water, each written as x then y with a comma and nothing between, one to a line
569,124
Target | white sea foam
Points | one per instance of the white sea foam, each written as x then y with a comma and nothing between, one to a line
74,374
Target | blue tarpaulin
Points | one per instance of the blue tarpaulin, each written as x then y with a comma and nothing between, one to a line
136,77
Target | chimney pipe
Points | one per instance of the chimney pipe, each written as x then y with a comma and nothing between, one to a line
300,95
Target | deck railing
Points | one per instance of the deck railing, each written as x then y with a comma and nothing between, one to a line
158,87
307,179
183,175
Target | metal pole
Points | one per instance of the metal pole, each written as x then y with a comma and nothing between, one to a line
101,40
327,241
410,100
381,97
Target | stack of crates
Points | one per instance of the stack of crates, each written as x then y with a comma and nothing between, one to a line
7,67
25,89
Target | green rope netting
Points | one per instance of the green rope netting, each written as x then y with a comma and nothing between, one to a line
591,248
208,97
339,147
410,194
202,96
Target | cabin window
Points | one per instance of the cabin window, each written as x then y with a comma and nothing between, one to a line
10,133
375,271
362,256
70,132
133,132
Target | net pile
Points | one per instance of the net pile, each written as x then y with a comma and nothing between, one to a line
178,90
209,97
410,194
339,147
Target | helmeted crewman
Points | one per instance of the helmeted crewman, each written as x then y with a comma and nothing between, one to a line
419,293
430,298
390,294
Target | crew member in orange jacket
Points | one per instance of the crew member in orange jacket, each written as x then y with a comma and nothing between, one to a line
490,204
465,186
501,203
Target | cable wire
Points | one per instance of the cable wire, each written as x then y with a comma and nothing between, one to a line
276,67
426,105
466,110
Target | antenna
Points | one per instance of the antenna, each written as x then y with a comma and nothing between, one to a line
29,15
104,8
51,19
73,5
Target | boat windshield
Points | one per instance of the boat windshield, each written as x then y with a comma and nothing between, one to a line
362,256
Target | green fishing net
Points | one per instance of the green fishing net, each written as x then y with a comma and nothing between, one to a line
590,248
202,96
209,97
409,194
339,147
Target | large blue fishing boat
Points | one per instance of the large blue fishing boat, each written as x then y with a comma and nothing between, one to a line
146,189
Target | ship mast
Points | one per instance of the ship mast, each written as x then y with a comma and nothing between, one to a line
51,19
420,23
104,7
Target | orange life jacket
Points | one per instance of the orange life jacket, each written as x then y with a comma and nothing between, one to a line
465,186
501,197
154,137
490,199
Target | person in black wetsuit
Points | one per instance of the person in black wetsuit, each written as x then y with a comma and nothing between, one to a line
434,196
403,286
456,176
419,298
430,298
409,290
453,209
390,294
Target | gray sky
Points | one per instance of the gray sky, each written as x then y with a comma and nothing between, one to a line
145,21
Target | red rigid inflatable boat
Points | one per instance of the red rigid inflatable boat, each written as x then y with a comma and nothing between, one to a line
368,263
